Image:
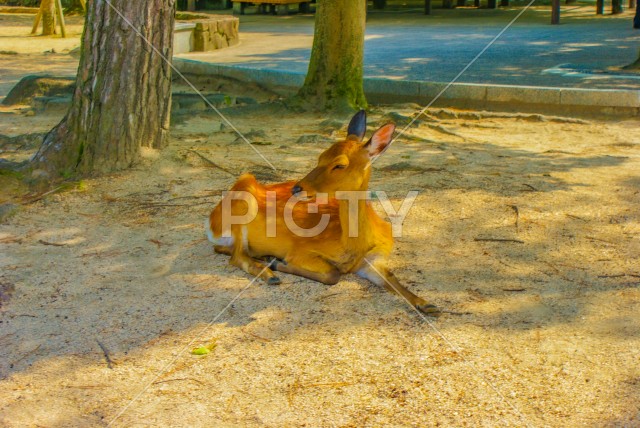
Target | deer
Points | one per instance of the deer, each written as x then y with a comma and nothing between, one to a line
265,243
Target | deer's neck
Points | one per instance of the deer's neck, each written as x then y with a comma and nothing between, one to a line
354,220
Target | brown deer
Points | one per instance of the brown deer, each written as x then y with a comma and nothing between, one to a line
274,221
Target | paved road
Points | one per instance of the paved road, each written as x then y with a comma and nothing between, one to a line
410,45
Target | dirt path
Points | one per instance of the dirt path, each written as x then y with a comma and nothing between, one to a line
111,285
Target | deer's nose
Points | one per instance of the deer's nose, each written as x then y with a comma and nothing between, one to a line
296,189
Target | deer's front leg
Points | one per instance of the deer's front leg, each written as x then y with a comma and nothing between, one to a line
242,260
254,268
313,268
380,275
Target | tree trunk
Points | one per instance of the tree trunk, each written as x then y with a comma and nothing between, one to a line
48,17
334,78
122,99
74,6
616,7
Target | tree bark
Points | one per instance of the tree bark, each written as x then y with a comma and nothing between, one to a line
48,17
75,6
616,7
122,98
335,75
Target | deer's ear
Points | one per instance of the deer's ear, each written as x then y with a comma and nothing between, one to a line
358,125
380,140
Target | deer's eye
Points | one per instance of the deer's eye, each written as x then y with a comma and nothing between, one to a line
338,166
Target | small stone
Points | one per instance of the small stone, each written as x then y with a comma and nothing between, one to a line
39,174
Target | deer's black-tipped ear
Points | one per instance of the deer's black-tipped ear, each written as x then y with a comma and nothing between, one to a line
380,140
358,125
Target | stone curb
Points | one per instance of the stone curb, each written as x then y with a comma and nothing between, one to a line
610,102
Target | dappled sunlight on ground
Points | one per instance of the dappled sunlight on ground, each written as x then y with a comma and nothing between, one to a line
526,229
525,226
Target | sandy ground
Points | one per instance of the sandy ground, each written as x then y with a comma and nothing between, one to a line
106,287
44,54
548,333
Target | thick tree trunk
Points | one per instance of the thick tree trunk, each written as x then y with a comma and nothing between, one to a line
48,17
334,78
122,99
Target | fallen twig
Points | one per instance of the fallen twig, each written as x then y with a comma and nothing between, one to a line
575,217
105,352
37,198
25,355
593,238
155,241
621,275
212,163
517,241
55,244
444,130
178,379
327,296
517,211
212,195
195,242
110,253
455,313
11,240
159,205
514,289
326,384
264,339
86,386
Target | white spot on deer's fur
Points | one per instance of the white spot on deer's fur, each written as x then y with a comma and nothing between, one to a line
224,241
366,271
207,229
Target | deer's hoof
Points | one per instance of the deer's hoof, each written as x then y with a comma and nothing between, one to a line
429,309
274,280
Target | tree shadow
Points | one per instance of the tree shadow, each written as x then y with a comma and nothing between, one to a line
512,171
135,273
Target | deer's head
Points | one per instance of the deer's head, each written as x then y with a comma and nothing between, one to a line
345,166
